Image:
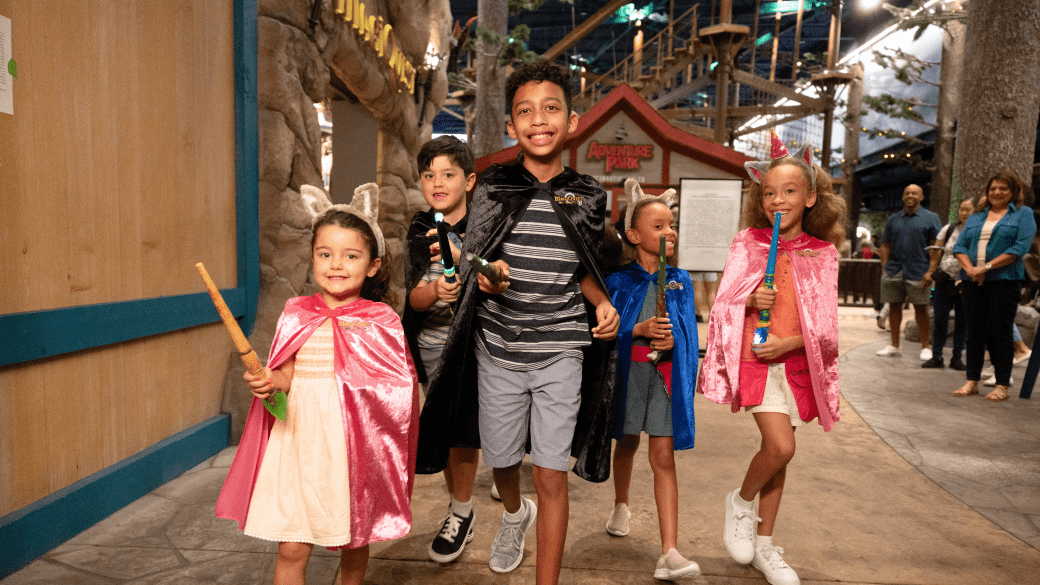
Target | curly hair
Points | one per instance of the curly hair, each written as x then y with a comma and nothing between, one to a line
375,288
824,220
539,71
1009,178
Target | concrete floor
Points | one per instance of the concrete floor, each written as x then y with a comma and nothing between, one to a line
905,490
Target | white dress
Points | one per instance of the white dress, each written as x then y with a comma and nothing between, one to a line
302,491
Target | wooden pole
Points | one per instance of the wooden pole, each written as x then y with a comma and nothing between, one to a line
796,52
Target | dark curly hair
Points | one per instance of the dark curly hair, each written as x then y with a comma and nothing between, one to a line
375,288
824,220
449,146
539,71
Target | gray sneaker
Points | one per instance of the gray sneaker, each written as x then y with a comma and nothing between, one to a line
507,551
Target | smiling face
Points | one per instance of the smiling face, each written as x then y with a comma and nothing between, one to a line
998,194
912,198
650,223
444,187
540,123
342,262
785,189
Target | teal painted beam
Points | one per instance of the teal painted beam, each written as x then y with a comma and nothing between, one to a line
247,163
42,334
32,531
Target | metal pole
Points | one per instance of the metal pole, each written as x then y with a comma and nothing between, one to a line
796,53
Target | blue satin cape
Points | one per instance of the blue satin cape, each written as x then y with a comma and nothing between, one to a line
628,287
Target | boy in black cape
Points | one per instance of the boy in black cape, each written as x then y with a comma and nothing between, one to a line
522,350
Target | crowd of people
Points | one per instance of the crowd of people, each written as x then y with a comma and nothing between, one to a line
973,268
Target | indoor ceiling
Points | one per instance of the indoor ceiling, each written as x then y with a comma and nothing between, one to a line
612,39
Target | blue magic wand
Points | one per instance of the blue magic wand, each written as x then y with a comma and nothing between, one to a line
762,331
446,258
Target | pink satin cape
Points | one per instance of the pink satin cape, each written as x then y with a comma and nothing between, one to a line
814,267
380,408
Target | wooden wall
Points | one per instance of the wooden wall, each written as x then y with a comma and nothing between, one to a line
117,175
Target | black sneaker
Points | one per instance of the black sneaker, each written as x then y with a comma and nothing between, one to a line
935,362
957,364
455,533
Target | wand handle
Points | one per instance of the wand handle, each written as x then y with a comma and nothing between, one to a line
662,277
446,257
762,331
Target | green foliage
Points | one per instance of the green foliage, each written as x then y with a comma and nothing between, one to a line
512,47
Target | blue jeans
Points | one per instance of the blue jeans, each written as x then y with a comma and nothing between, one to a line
946,297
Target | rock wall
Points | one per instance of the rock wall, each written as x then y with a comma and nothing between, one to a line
294,63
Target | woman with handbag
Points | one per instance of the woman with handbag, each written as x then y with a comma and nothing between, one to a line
943,269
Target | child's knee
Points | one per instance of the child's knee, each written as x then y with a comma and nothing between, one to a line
294,552
549,483
662,460
780,452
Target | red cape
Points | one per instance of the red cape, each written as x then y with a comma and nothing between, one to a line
380,408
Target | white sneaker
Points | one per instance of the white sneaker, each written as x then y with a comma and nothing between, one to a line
890,351
1022,358
507,550
494,492
672,566
739,531
992,381
618,522
988,372
768,560
926,354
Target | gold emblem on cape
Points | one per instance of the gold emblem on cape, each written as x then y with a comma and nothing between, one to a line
568,198
809,253
355,324
673,285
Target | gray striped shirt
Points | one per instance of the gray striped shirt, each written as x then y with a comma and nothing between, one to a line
541,316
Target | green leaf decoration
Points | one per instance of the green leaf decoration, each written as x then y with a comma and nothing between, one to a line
12,68
278,408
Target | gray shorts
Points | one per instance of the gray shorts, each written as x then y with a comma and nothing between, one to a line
896,289
543,402
431,359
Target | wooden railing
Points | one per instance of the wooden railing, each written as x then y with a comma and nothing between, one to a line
859,279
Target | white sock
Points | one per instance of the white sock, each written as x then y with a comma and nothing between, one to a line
461,509
514,517
763,541
742,503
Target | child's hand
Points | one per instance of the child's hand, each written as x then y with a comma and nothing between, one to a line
447,292
261,386
608,321
774,346
658,330
763,298
485,284
435,249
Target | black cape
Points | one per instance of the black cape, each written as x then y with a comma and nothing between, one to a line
449,417
418,264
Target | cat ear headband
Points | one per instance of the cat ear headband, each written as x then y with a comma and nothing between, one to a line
779,150
635,194
364,205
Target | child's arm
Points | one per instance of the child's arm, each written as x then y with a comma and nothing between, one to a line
606,314
775,347
273,381
485,284
658,330
762,299
425,294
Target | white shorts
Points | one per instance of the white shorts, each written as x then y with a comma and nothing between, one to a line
778,396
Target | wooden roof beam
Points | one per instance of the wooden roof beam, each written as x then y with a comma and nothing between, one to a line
583,29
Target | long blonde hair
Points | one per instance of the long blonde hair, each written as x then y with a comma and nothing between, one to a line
824,220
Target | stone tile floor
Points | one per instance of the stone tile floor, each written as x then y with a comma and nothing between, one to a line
911,487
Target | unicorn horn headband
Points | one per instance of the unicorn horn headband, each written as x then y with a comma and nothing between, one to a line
364,205
802,156
635,194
